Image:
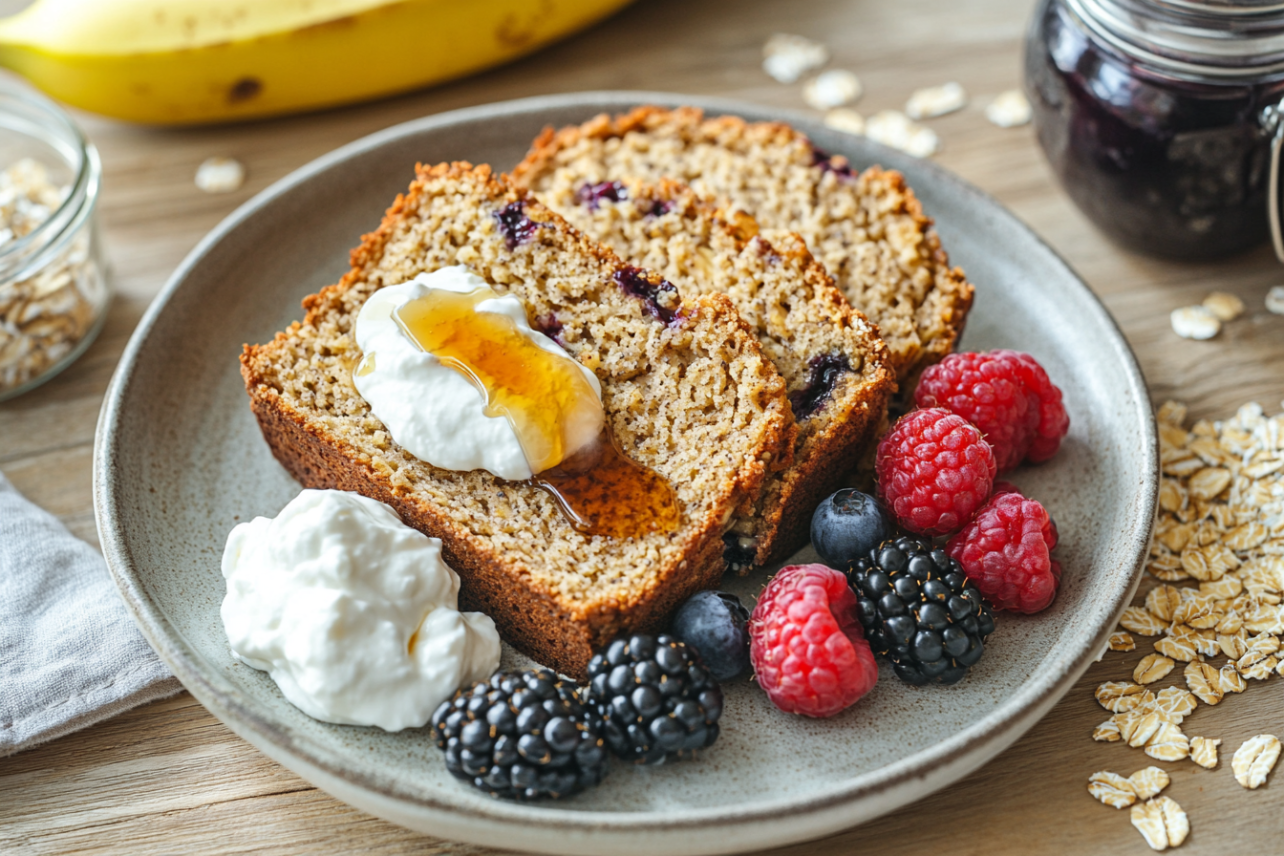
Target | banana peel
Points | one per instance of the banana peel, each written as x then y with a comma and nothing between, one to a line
179,62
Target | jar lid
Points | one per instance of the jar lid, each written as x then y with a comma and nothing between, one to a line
1223,39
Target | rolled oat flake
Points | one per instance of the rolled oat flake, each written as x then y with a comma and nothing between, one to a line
936,101
832,88
1195,322
220,175
1275,300
1009,109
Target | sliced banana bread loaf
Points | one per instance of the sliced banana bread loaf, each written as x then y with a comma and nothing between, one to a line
868,230
836,367
685,388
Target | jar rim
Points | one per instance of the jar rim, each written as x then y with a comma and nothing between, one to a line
1239,40
82,192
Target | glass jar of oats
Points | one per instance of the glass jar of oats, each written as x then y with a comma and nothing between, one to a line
53,282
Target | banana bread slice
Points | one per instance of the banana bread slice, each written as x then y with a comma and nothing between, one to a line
835,365
685,388
868,230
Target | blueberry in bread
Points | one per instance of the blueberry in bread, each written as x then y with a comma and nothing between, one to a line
835,365
868,230
685,388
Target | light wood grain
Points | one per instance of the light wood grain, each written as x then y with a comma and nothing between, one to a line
168,778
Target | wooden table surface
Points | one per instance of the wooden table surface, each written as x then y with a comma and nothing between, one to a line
169,778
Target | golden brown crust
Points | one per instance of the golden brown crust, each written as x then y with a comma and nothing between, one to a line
923,316
325,436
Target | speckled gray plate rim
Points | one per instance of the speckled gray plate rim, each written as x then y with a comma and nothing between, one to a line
1028,298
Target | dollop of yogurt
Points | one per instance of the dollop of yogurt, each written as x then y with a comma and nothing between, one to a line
353,613
429,408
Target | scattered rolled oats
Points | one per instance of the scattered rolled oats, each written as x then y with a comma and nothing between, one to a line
1122,642
1203,751
1149,782
1107,732
1161,822
1174,704
1141,622
1260,670
832,88
1112,789
1168,743
220,175
1153,667
1229,680
1233,644
936,101
1204,681
1119,696
1254,760
1195,322
1223,589
1137,727
1009,109
1179,644
1162,601
1206,643
843,119
1227,307
1209,482
788,57
1275,300
896,130
1220,523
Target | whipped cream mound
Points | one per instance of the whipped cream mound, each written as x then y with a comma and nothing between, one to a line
352,613
429,408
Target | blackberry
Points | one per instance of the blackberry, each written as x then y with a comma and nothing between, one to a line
654,697
920,611
522,736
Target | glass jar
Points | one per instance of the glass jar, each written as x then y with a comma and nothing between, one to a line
1161,117
53,282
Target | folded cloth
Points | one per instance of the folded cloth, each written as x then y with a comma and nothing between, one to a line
70,655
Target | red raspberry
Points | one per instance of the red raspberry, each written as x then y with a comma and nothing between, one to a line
1005,552
1007,395
934,471
1054,422
808,651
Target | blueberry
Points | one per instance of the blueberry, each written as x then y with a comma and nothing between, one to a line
847,525
714,623
823,373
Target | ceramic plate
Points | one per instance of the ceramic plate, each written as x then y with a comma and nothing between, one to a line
179,461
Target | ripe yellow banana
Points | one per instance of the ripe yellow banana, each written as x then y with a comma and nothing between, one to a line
194,61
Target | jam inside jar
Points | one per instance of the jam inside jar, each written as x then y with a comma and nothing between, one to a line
1158,116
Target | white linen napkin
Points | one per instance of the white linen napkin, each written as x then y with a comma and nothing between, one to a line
70,655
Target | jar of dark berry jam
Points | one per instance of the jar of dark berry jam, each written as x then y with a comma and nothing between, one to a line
1163,118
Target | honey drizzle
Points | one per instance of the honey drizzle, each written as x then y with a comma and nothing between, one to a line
544,398
602,491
